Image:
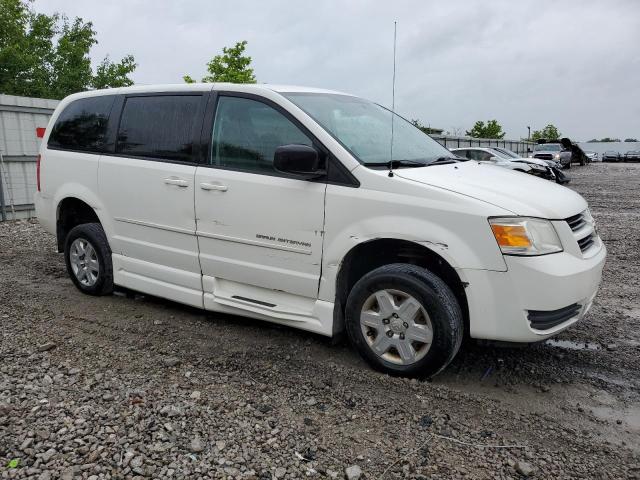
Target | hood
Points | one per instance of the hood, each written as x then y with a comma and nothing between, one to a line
519,193
535,161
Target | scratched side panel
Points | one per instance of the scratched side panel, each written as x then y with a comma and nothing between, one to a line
452,225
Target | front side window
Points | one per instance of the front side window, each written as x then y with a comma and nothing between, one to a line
461,153
158,127
82,125
246,134
479,155
364,128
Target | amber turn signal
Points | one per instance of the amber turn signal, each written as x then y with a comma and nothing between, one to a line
511,235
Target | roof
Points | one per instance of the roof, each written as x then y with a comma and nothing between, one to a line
204,87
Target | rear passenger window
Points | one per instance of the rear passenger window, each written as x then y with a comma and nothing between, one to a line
159,127
82,125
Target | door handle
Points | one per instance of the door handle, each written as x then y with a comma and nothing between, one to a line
179,182
213,186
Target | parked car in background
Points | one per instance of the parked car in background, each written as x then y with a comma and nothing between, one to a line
610,156
632,156
556,167
500,158
591,156
563,150
283,203
554,152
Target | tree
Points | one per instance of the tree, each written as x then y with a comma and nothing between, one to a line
428,130
48,55
232,66
492,129
630,139
550,132
109,74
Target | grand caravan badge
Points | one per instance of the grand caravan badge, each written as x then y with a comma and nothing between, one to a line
284,241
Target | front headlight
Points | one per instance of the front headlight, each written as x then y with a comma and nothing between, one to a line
557,156
525,236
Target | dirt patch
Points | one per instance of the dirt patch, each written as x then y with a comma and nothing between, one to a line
135,386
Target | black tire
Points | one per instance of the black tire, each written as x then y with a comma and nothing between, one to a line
94,234
569,165
435,297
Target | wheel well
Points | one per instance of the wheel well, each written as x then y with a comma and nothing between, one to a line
373,254
71,213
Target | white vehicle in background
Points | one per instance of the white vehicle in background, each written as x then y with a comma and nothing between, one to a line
556,167
283,204
506,159
591,156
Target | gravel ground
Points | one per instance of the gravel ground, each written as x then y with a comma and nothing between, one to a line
131,386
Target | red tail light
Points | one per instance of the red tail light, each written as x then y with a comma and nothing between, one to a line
40,132
38,170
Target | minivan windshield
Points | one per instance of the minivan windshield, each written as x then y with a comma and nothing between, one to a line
364,128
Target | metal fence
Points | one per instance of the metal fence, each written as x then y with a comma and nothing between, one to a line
521,147
19,145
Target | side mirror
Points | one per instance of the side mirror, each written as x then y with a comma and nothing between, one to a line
494,159
298,160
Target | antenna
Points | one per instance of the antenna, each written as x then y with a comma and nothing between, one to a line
393,96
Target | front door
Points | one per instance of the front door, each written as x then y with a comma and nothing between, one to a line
259,231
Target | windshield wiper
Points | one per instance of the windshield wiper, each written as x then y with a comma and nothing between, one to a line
443,161
396,164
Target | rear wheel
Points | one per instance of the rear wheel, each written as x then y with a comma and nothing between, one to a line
88,258
404,320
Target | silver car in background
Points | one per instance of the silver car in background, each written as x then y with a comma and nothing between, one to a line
554,152
507,159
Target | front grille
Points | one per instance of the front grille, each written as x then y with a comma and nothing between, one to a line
547,319
543,156
576,222
586,242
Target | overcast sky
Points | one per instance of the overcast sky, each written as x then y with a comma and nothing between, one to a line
573,63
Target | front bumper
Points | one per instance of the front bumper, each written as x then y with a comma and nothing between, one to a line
500,302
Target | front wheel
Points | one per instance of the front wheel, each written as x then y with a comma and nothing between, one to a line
88,258
404,320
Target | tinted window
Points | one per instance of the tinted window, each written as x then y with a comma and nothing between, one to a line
158,127
246,134
82,125
479,155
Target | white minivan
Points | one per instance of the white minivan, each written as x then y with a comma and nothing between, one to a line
300,206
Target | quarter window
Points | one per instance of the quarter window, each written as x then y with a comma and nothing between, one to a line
247,132
82,125
159,127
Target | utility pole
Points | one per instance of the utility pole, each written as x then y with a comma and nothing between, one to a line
529,134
